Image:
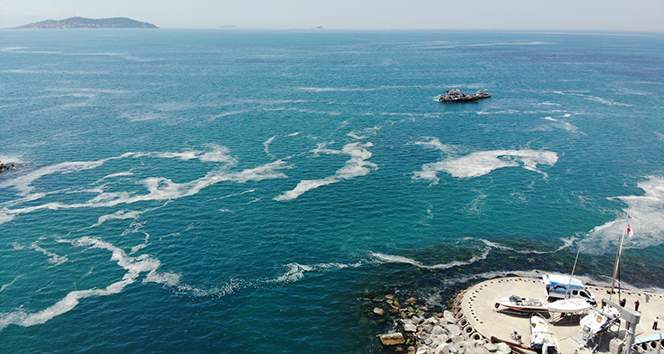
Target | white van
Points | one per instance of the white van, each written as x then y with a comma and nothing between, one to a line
562,287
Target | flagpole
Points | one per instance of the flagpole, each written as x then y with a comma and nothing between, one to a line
617,263
569,283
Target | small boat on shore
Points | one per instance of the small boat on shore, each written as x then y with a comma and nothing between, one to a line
520,304
569,306
458,96
542,339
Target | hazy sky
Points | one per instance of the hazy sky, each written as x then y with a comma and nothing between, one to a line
612,15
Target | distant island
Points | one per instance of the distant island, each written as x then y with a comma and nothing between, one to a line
82,22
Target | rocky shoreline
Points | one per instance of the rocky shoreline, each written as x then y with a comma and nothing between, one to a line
419,329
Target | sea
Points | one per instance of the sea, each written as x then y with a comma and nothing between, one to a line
230,191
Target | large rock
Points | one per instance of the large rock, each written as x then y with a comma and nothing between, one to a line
453,330
449,317
427,327
490,347
392,339
442,349
437,330
378,311
409,327
504,348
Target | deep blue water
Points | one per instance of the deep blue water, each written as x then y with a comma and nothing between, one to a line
165,198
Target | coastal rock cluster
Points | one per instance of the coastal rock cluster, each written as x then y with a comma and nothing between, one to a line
7,166
418,330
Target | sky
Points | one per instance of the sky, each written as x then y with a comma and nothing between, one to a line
563,15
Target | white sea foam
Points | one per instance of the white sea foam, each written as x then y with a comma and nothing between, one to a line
11,159
295,271
660,136
481,163
597,99
554,123
294,134
52,257
475,206
159,188
133,266
647,219
4,287
52,72
118,215
214,153
567,242
25,50
142,116
231,113
116,175
266,146
141,246
388,258
434,143
336,89
485,45
355,136
23,183
357,166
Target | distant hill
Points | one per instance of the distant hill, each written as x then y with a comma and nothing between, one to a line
82,22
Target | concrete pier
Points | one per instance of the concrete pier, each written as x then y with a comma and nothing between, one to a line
475,312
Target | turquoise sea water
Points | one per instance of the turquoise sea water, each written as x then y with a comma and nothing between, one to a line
223,191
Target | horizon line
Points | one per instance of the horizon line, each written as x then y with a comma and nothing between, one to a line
323,28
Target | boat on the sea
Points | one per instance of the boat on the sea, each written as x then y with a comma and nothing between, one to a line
520,304
542,339
458,96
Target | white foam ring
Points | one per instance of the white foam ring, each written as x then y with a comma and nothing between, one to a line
647,220
387,258
481,163
357,166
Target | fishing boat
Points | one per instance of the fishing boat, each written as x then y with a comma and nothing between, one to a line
542,339
520,304
458,96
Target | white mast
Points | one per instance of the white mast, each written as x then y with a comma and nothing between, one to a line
616,267
569,283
